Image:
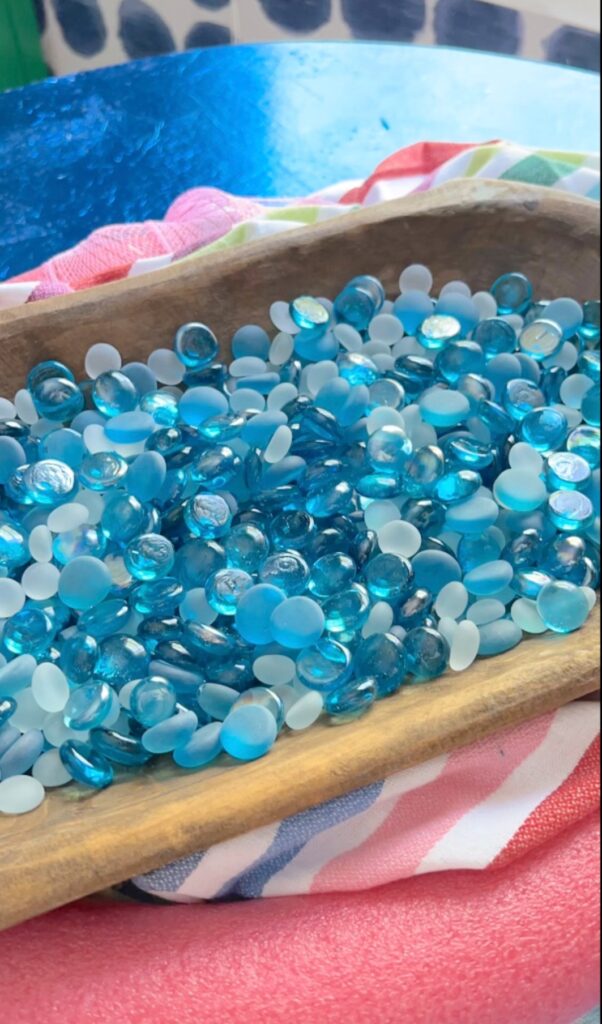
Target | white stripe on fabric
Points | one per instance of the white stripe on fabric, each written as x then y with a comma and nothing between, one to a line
149,263
393,188
16,294
298,875
226,860
481,834
581,181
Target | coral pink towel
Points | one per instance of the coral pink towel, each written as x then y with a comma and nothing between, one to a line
517,945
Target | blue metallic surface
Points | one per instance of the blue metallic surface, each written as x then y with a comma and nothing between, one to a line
119,144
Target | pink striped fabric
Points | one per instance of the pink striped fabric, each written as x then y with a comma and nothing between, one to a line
472,809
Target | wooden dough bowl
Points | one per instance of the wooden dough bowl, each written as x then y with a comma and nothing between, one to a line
79,841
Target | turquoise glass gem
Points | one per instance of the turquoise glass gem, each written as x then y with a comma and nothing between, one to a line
459,358
529,582
489,578
249,732
215,467
414,373
246,547
332,574
444,408
357,369
146,476
381,658
513,293
86,765
457,486
114,393
347,611
47,370
541,339
472,516
262,696
195,345
200,404
254,612
88,706
65,445
49,482
389,577
423,470
203,747
460,307
568,471
585,441
308,312
57,399
286,570
12,456
217,700
153,700
521,397
469,452
476,388
141,376
494,336
171,733
589,364
102,470
525,550
84,582
28,632
389,449
427,653
292,530
414,609
78,658
21,755
570,511
121,659
123,518
372,286
355,306
497,421
163,407
157,597
119,746
498,637
196,560
438,330
297,622
208,516
251,340
433,570
84,541
545,429
324,666
225,589
8,736
352,700
222,428
563,606
590,407
16,674
589,331
149,557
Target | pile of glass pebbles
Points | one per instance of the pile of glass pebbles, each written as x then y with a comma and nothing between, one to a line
195,556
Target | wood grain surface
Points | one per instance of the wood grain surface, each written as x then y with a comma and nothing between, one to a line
80,842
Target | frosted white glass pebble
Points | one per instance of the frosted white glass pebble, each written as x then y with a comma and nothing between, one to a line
384,416
385,328
274,669
279,445
26,410
379,620
166,366
196,608
125,693
464,646
515,320
7,410
40,581
452,600
305,712
101,358
408,347
572,416
12,598
20,794
286,691
455,288
448,628
246,366
282,319
28,713
523,456
50,687
67,517
486,304
96,440
525,614
348,337
318,374
592,597
574,389
247,400
50,770
416,278
281,349
566,358
487,610
114,712
423,434
40,544
399,538
379,513
56,732
384,361
95,504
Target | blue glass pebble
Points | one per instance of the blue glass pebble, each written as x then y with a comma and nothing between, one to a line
7,708
57,399
84,583
21,754
130,427
195,345
200,404
286,570
121,658
438,330
570,511
389,577
545,429
494,335
472,516
208,516
297,622
382,658
427,653
85,765
119,747
566,470
254,613
171,733
217,700
113,393
444,408
563,606
412,308
434,570
324,666
248,732
203,747
78,657
149,557
88,706
513,293
498,637
347,611
489,579
28,632
332,574
351,700
520,489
